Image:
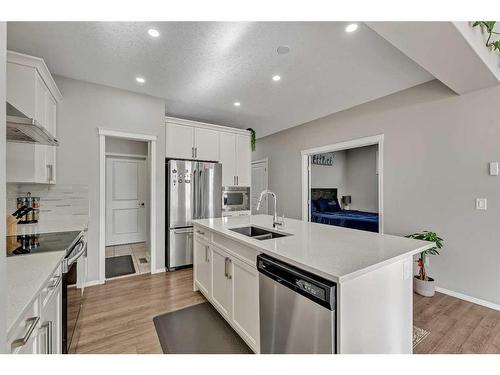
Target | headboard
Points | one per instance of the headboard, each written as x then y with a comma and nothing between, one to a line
324,193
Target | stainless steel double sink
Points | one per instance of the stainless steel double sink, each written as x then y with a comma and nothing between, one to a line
258,233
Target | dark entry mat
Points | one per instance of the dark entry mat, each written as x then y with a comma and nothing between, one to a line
119,266
198,329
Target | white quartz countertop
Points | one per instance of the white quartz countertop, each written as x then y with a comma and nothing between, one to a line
336,253
26,274
64,224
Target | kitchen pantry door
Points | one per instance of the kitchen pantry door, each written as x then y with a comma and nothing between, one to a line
125,200
259,184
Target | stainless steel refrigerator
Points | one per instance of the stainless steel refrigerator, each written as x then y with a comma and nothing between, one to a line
194,191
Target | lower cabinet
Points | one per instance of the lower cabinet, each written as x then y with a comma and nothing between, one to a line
39,329
203,270
231,285
245,312
222,285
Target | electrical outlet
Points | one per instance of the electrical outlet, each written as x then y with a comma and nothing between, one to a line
481,204
494,168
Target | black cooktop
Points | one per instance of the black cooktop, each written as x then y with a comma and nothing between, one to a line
40,243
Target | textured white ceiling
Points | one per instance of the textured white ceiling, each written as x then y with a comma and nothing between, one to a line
201,68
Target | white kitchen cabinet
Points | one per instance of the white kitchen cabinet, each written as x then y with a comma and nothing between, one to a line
32,90
234,282
221,281
243,160
203,267
190,142
50,331
246,300
228,158
206,144
236,160
23,336
199,141
179,141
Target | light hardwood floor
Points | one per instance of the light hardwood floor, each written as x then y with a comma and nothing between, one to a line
118,317
456,326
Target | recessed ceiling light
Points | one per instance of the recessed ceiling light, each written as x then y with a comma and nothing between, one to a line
236,104
352,27
154,33
283,50
276,78
140,79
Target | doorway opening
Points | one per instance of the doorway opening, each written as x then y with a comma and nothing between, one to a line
259,184
342,184
127,235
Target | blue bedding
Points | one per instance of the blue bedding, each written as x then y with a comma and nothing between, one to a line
348,218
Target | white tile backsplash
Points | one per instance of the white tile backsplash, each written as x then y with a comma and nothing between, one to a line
57,202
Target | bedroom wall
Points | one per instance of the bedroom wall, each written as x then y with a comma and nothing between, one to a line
437,147
323,176
361,179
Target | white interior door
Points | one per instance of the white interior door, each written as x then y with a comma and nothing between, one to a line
259,184
125,200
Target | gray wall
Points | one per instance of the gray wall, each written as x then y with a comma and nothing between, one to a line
436,149
361,178
126,146
86,107
3,281
324,176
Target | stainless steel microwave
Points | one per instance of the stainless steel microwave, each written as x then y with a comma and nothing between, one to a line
235,198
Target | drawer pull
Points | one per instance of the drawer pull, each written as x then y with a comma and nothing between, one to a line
200,232
21,342
55,283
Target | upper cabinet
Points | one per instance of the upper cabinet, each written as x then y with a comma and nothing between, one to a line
199,141
32,90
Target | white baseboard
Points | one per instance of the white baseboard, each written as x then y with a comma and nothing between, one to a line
93,282
467,298
159,270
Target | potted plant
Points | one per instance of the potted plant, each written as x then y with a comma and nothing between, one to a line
423,284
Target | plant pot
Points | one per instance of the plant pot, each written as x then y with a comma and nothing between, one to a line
424,287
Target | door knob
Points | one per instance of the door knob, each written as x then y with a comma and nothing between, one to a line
141,204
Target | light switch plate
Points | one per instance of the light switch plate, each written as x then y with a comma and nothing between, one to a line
494,168
481,204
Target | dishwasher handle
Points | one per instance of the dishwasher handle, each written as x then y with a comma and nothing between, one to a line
313,287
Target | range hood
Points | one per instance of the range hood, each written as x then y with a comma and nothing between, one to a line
23,129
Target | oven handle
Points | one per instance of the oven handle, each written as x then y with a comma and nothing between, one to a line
78,250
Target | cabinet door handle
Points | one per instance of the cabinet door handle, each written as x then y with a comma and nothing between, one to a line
48,337
237,180
207,259
225,268
22,341
229,276
192,152
200,232
196,152
55,283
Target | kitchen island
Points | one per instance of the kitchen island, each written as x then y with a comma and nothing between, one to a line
372,273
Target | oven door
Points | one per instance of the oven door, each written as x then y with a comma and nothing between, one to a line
72,294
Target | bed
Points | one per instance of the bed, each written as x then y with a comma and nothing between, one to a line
325,209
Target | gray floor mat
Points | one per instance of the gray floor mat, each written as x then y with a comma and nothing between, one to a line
119,266
198,329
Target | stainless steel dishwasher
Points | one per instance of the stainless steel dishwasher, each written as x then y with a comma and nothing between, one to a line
297,309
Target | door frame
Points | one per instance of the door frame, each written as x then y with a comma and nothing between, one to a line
151,170
266,162
120,156
353,143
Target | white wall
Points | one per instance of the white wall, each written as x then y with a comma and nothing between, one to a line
324,176
126,146
84,108
361,178
437,146
3,281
